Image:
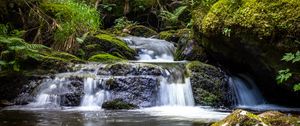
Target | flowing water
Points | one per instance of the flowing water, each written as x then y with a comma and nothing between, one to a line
164,94
76,97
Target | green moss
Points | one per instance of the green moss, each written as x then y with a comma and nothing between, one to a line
115,42
104,58
261,17
140,30
199,67
270,118
106,43
118,104
166,35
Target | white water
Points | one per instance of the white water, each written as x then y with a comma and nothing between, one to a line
245,91
151,50
176,94
94,98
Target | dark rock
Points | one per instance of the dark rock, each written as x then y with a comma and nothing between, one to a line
140,91
5,103
118,104
209,84
122,69
75,93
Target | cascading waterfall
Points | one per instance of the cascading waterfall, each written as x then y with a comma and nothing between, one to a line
174,88
92,96
150,49
245,91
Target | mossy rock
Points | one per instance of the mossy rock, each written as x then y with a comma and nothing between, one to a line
241,117
251,36
245,118
106,43
118,104
209,84
142,31
105,58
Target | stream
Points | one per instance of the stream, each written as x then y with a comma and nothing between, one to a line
75,98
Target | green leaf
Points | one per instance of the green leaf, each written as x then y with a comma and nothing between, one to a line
288,57
297,57
283,75
297,87
3,63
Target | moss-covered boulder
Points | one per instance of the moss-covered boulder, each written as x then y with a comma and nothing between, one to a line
244,118
251,36
187,47
104,58
105,43
208,84
117,104
140,30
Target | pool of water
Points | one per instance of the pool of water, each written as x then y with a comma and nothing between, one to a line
157,116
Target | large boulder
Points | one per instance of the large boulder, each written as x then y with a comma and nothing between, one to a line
209,84
105,43
245,118
251,37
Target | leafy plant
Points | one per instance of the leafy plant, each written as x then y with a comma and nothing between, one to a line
15,50
172,17
285,75
122,23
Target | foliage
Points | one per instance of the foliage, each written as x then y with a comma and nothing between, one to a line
172,17
285,75
122,23
107,58
15,50
64,21
261,17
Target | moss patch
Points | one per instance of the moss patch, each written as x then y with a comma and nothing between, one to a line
262,17
107,58
244,118
106,43
118,104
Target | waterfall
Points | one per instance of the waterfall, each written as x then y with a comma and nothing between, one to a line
245,91
150,49
175,89
86,88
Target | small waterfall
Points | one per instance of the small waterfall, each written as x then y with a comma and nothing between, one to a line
176,94
85,87
245,91
151,50
94,97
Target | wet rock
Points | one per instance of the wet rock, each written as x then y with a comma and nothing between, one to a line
209,84
140,91
142,31
75,93
105,43
5,103
122,69
245,118
118,104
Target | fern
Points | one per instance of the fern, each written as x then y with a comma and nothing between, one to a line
172,17
284,75
16,50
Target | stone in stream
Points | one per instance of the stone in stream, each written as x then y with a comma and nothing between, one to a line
209,84
270,118
117,104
